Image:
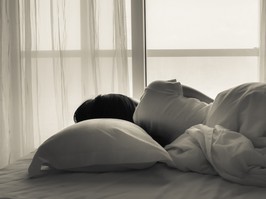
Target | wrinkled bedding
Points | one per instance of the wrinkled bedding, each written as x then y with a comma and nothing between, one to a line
226,158
156,182
232,144
219,151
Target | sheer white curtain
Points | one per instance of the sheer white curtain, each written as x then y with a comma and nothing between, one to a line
263,41
16,112
54,55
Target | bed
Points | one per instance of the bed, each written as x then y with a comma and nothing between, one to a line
159,181
113,158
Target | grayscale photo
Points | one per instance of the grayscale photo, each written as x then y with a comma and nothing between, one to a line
132,99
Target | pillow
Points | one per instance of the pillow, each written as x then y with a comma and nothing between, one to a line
241,109
98,145
165,113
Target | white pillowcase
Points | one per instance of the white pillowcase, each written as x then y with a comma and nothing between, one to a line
98,145
241,109
165,113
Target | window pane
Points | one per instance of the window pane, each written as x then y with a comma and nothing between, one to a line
65,21
106,24
204,24
210,75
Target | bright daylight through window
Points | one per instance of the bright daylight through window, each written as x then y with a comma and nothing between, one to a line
210,45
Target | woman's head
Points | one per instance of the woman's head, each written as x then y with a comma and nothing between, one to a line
106,106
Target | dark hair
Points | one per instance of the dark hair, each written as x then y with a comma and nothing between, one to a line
106,106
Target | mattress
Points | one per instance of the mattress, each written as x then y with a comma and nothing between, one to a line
158,181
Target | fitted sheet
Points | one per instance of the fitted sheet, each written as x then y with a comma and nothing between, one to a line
158,181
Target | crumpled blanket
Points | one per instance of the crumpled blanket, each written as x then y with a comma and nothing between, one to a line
219,151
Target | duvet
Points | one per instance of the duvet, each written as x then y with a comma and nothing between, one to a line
225,138
219,151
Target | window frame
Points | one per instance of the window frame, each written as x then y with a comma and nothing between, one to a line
138,32
140,52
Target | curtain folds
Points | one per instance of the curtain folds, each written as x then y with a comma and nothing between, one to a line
120,43
16,93
90,47
54,55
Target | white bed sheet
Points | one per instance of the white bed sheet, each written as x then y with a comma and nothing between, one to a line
158,182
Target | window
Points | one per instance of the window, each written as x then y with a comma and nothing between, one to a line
75,52
210,45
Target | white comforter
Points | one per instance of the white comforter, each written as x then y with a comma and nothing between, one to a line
220,151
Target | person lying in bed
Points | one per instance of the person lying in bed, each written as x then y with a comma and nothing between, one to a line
123,107
167,109
120,106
